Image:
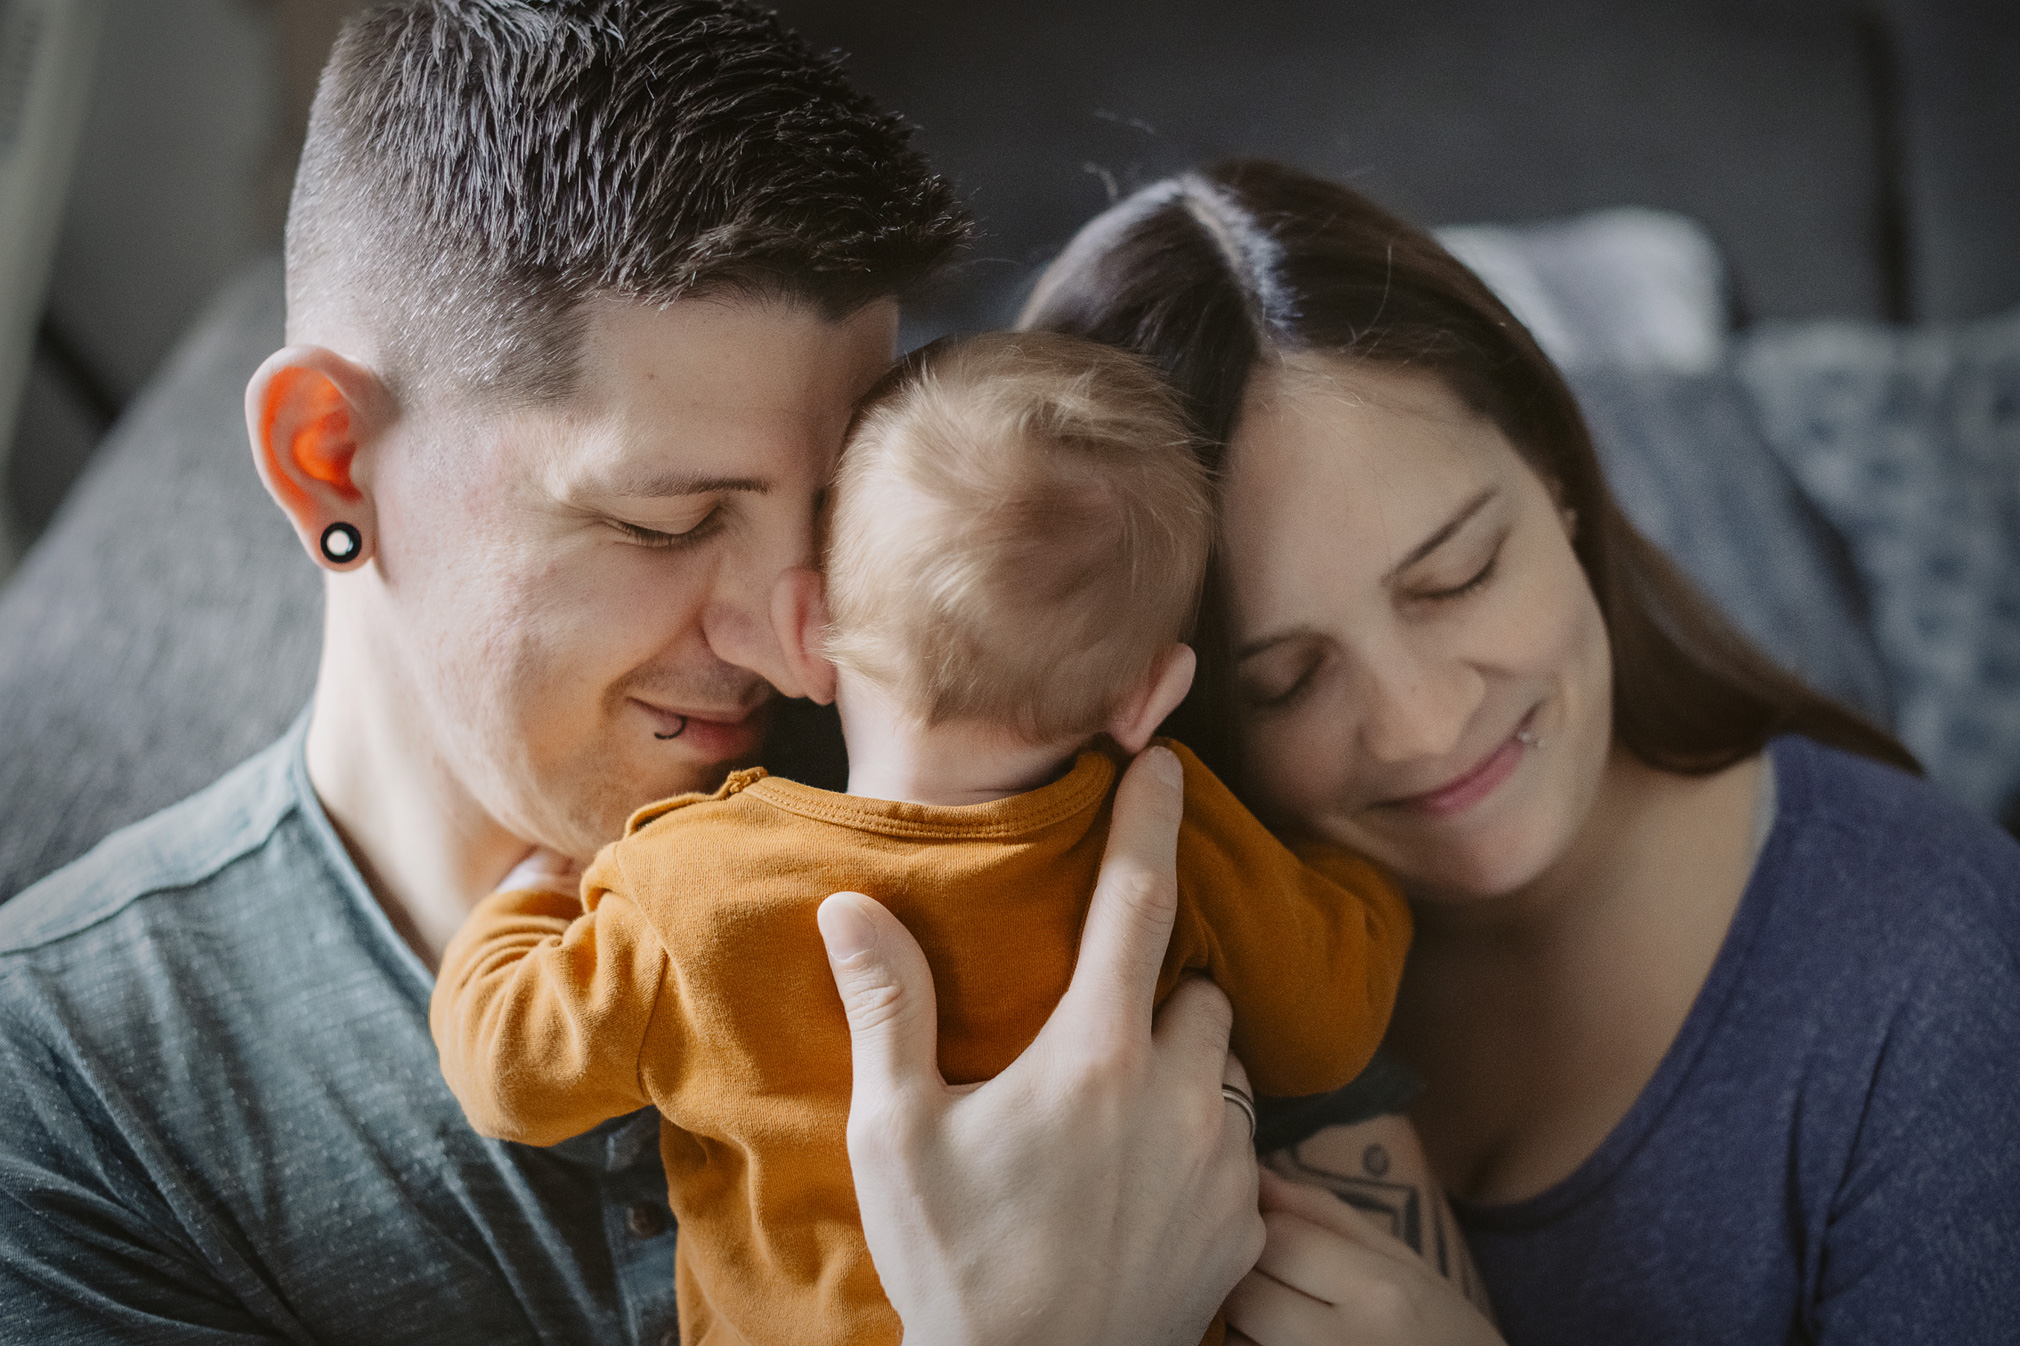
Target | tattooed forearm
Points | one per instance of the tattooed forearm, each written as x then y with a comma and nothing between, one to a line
1379,1168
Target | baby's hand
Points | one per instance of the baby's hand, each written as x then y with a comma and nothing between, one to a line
543,871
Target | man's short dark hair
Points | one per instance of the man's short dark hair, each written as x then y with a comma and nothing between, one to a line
476,169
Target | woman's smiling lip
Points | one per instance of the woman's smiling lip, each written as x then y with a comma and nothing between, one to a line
1471,786
717,735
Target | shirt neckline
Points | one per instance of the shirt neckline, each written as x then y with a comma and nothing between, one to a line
336,858
1792,790
1081,788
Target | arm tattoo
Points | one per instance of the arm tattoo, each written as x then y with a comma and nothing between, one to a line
1378,1168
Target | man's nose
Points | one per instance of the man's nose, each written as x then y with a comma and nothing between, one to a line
737,622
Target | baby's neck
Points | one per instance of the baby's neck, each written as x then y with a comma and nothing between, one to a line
893,756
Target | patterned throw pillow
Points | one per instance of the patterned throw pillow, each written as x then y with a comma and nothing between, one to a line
1909,442
1685,459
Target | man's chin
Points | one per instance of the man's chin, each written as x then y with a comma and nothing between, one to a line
606,797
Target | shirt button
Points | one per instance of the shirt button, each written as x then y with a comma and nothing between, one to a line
645,1219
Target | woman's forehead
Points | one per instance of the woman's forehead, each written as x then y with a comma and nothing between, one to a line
1320,433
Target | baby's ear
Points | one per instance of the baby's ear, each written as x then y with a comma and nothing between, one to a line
1137,718
800,624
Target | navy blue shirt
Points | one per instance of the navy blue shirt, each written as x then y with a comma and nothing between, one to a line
1830,1151
222,1119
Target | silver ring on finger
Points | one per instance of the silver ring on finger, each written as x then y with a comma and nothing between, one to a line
1241,1099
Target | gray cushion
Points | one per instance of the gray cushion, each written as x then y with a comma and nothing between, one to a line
1909,441
167,624
1625,288
1686,459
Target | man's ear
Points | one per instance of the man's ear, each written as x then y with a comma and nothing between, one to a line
310,412
1169,679
800,623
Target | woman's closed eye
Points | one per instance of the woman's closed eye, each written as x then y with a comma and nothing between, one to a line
1462,563
1476,580
1274,680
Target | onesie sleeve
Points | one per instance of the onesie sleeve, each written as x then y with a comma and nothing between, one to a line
542,1008
1309,946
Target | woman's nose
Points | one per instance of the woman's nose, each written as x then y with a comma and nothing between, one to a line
1417,706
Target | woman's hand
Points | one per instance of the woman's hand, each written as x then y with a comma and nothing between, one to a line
1329,1276
1100,1190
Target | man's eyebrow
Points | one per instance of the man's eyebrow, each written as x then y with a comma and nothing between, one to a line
1443,535
650,484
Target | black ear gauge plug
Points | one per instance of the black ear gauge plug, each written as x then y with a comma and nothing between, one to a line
342,543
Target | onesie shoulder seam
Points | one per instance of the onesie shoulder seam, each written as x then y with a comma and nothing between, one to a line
738,782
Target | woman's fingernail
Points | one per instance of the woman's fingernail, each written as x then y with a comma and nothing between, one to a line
1164,762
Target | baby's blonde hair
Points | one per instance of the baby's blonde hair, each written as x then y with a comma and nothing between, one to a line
1018,531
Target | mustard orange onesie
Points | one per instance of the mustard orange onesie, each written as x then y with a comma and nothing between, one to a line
690,975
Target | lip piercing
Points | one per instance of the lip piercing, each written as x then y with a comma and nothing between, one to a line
676,733
341,543
1528,738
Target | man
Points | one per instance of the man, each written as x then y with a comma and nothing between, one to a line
580,295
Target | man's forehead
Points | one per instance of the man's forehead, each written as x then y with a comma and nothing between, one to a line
607,457
707,395
732,352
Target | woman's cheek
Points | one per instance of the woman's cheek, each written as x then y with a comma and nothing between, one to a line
1569,646
1297,763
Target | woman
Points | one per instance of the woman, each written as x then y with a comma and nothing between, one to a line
1714,1004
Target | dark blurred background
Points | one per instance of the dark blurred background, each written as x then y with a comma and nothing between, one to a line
1853,158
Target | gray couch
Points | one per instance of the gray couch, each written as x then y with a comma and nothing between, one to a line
1851,163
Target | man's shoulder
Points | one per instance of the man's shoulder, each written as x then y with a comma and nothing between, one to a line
174,850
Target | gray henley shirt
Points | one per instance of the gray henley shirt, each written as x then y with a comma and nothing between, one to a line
222,1119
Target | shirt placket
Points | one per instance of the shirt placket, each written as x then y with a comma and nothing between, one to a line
639,1226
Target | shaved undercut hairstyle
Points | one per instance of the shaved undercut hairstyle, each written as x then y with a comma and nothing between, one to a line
1018,530
476,170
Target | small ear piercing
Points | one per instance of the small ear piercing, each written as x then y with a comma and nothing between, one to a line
342,543
1529,738
676,733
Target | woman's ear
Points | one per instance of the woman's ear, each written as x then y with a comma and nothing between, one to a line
800,624
313,417
1163,688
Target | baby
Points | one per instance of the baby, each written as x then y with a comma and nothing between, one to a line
1017,536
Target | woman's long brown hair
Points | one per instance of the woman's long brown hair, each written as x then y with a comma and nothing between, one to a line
1212,272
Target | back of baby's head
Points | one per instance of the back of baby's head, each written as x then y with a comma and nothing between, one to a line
1018,533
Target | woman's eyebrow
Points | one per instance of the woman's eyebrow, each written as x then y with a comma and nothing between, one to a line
1443,535
1255,647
